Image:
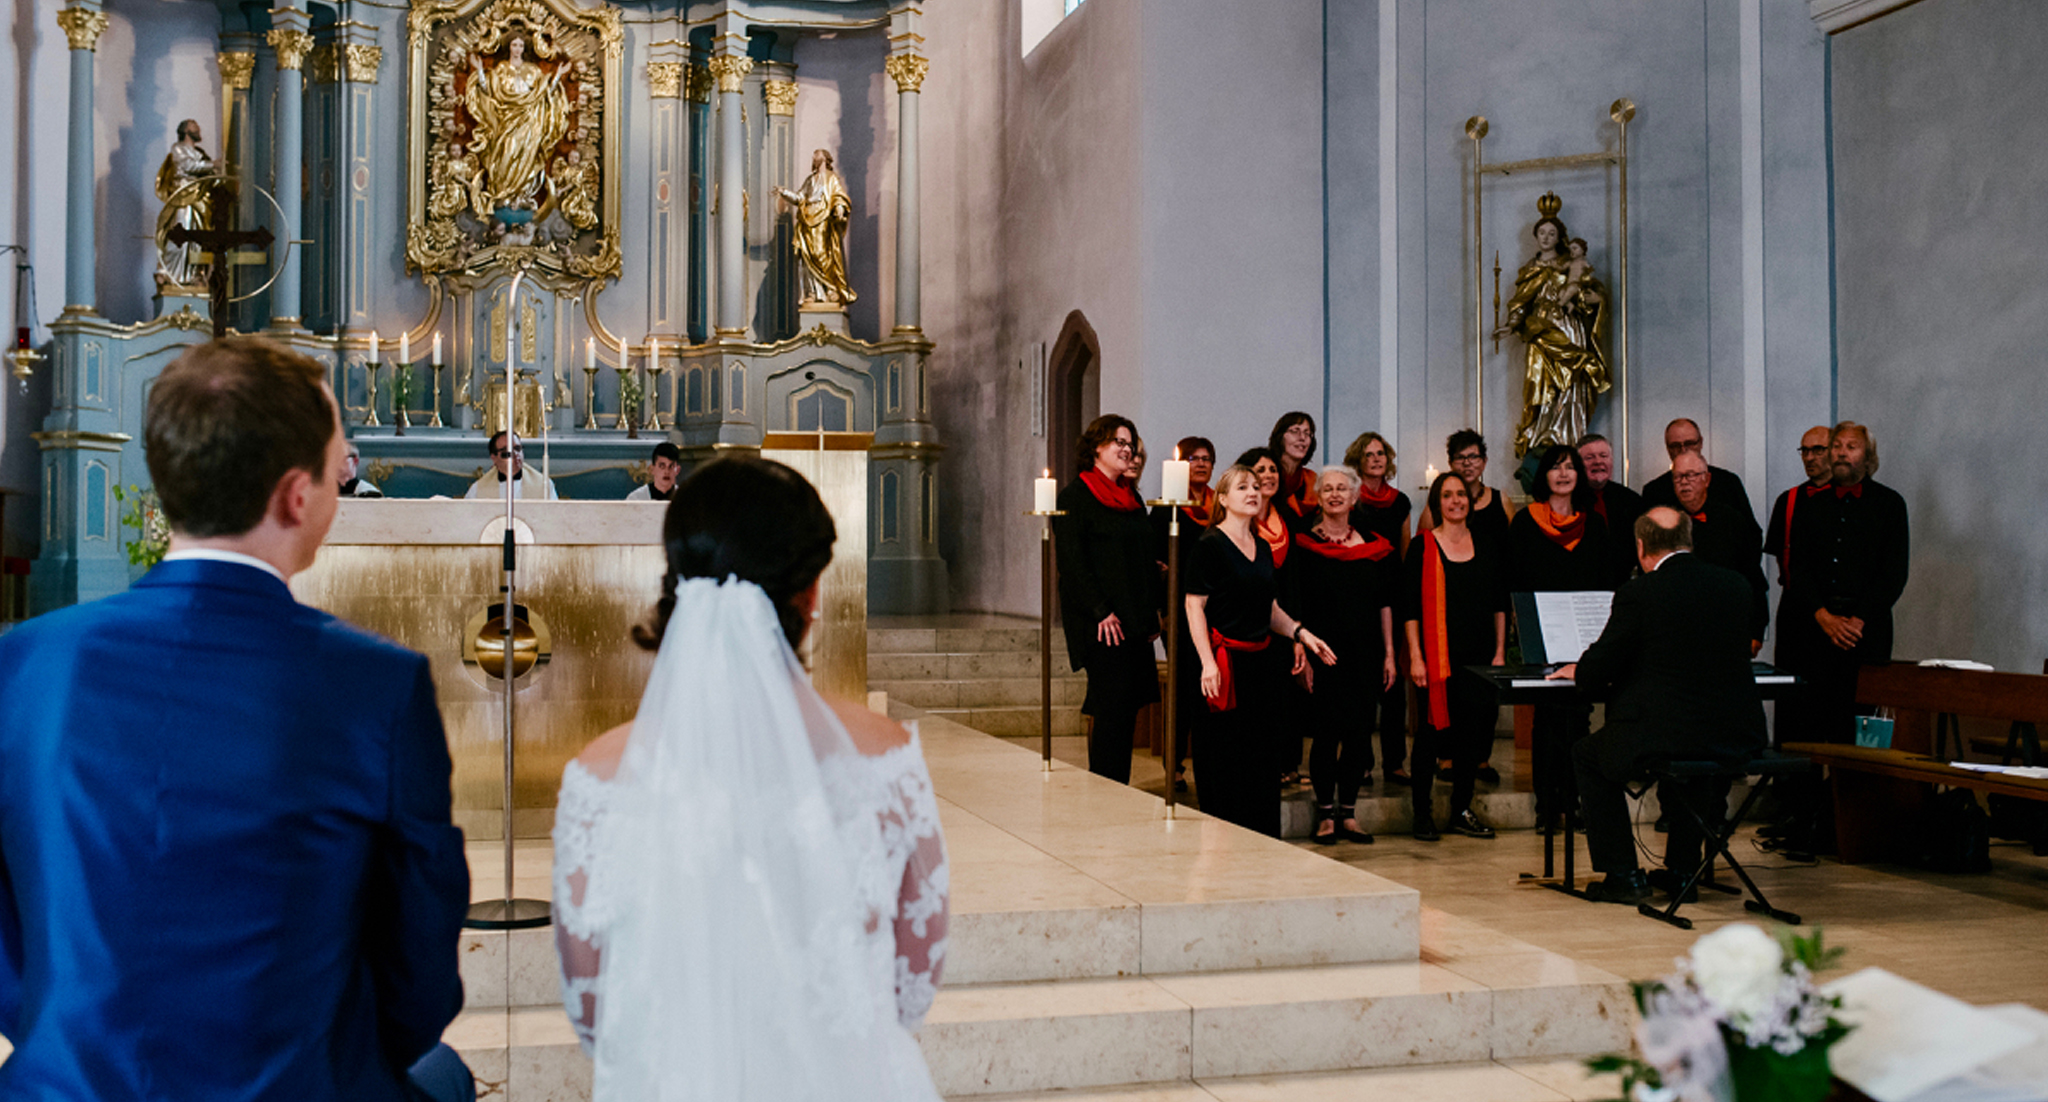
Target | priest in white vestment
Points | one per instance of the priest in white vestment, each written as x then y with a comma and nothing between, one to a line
508,460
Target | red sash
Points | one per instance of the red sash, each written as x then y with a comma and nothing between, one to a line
1112,495
1205,498
1226,695
1436,640
1378,499
1566,534
1273,530
1374,548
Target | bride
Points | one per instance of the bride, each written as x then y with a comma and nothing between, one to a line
750,884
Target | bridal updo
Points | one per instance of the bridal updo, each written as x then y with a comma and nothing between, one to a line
753,519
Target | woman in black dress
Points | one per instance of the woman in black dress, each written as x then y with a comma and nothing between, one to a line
1491,513
1456,604
1558,544
1341,581
1233,613
1109,595
1384,510
1272,528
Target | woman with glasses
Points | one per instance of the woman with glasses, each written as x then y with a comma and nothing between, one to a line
1455,602
1200,456
1558,544
1383,510
1233,614
1292,443
1109,591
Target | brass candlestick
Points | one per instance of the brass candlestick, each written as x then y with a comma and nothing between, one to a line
434,422
1045,591
590,397
1173,615
370,374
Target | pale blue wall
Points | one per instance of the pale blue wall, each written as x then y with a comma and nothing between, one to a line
1941,198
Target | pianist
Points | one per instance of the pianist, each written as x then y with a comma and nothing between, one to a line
1673,663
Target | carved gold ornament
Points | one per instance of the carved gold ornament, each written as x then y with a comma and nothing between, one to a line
82,26
291,46
362,62
236,69
731,71
781,96
665,79
907,70
698,83
323,65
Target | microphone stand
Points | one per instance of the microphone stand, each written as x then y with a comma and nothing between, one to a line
510,913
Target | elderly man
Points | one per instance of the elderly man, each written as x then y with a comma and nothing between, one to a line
1813,455
1617,505
352,483
1728,495
1728,539
662,469
1674,664
508,460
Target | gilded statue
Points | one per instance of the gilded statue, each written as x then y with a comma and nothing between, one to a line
521,114
1559,310
822,209
183,186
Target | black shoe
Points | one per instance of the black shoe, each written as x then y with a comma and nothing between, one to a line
1667,881
1487,773
1425,830
1662,825
1468,824
1629,888
1350,815
1324,818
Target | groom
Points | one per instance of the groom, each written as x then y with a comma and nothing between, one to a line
227,869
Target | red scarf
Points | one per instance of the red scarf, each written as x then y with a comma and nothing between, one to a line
1226,695
1381,498
1273,530
1436,641
1373,549
1113,495
1301,498
1565,534
1205,499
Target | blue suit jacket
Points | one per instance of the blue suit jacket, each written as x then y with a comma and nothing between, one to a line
227,869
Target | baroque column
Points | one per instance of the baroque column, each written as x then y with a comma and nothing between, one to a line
82,23
907,69
289,38
730,70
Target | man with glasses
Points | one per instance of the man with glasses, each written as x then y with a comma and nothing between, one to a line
1727,494
508,460
1813,455
1729,540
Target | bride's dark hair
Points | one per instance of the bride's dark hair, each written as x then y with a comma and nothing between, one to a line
753,519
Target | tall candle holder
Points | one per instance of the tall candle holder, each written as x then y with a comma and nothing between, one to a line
370,376
589,397
1045,628
434,420
1173,615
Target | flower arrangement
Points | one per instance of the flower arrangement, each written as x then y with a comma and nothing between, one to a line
631,393
146,516
1740,1021
401,397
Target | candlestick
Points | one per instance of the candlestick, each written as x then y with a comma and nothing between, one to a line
376,354
405,348
590,395
434,422
370,385
437,350
1173,478
1045,494
651,382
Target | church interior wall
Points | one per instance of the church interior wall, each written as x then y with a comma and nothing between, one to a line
846,104
1940,199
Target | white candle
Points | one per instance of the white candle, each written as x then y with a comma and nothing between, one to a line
376,355
1173,478
653,354
1429,475
590,352
1045,494
437,350
405,348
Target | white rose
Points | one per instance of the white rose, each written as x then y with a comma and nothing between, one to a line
1739,969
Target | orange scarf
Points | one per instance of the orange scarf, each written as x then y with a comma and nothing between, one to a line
1114,495
1273,530
1379,499
1565,534
1436,639
1300,498
1226,695
1205,499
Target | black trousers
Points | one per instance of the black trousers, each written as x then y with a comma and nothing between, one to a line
1393,725
1557,728
1233,757
1121,681
1466,742
1295,711
1604,763
1340,714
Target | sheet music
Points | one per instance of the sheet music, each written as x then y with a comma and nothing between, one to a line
1571,621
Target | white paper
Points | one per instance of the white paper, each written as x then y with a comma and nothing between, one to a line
1908,1038
2018,1076
2031,772
1571,621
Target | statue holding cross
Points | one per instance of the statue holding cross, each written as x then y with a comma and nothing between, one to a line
221,244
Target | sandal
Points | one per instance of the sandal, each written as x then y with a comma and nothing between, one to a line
1349,829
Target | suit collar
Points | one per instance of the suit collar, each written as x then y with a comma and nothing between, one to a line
214,574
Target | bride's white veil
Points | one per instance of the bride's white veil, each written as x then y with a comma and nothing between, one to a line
733,968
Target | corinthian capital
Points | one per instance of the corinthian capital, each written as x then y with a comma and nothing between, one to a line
781,95
361,63
907,70
291,46
731,71
665,79
236,69
82,26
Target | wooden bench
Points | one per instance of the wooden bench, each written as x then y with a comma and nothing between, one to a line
1879,794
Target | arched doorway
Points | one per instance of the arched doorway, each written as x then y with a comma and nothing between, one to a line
1073,392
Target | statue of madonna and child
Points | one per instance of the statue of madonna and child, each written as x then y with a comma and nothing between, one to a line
1559,310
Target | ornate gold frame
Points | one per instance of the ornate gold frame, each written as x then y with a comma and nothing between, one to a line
425,251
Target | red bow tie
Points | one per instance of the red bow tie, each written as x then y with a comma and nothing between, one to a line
1849,491
1809,491
1700,517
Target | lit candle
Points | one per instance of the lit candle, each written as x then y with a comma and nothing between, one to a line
1045,494
376,354
1429,475
437,350
590,352
1173,478
405,348
653,354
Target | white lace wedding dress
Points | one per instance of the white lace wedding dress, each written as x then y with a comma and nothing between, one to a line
751,909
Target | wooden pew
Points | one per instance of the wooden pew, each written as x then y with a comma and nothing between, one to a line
1879,794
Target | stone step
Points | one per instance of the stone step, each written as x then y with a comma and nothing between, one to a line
1490,1081
1015,722
927,640
962,665
1394,814
1067,691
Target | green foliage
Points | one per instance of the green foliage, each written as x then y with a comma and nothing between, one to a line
402,389
146,516
631,392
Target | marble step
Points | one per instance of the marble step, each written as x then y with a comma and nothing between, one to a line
1067,691
1489,1081
926,640
1394,813
1015,721
963,665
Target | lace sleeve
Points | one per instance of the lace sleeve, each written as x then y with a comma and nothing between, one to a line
921,911
579,907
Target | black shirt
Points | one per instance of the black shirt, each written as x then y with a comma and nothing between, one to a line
1539,564
1389,521
1106,565
1853,561
1240,590
1731,541
1619,506
1473,591
1339,600
1490,524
